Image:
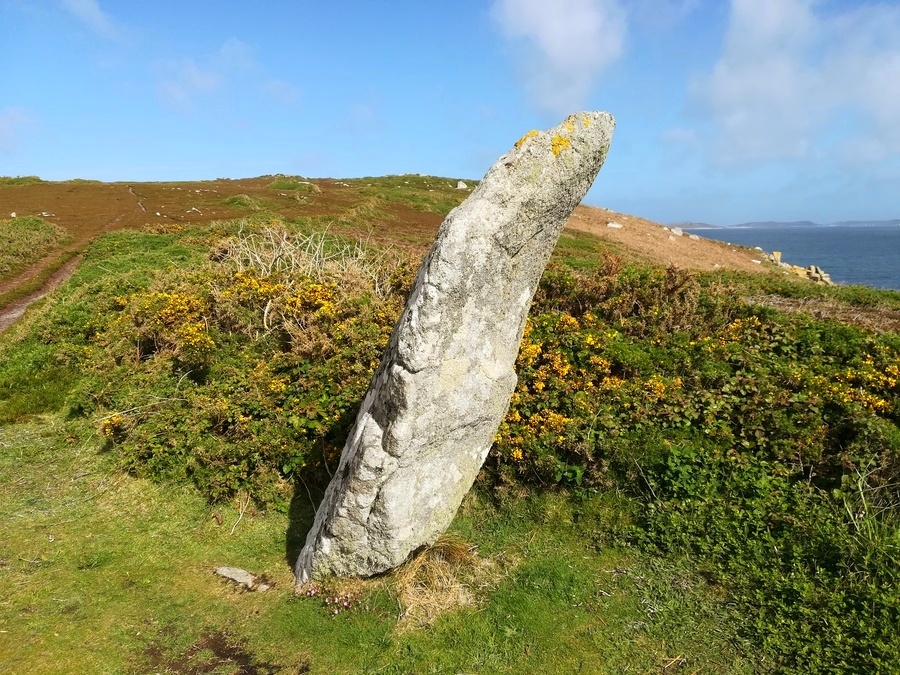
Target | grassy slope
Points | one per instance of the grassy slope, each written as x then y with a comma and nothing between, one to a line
24,241
104,572
108,573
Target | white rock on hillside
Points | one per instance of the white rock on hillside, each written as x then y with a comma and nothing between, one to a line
433,407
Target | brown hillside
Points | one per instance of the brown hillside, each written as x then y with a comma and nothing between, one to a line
656,244
86,209
401,209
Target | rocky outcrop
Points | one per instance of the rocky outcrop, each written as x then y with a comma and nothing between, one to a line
812,273
443,386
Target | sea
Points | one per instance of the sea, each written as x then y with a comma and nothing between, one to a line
867,255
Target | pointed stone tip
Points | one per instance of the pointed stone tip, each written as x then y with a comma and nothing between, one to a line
561,135
573,150
587,118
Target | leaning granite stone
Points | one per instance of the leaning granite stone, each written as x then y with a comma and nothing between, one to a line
444,383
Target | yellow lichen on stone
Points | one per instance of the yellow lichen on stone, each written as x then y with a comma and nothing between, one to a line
587,121
533,132
569,124
559,143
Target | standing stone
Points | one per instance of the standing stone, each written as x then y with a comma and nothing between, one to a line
444,383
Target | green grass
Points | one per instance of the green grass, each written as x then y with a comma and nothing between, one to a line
248,203
429,194
582,250
25,240
99,566
292,184
36,282
34,381
107,573
790,287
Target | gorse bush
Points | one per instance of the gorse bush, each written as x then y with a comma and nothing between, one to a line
243,370
766,447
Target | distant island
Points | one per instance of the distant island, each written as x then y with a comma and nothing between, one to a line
796,223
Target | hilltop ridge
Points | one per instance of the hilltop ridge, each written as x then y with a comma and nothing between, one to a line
405,209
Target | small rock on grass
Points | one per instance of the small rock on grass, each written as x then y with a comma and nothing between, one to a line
242,578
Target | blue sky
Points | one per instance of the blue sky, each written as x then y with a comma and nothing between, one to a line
728,110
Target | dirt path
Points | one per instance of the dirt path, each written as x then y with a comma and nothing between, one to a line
14,311
31,272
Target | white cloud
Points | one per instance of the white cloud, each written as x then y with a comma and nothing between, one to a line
91,15
797,80
564,46
184,83
185,80
12,122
